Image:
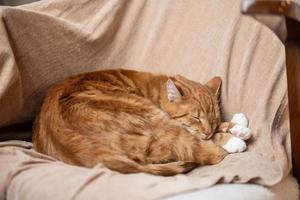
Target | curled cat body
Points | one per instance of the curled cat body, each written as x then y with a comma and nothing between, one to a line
133,121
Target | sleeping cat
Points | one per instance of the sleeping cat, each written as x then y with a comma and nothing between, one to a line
134,121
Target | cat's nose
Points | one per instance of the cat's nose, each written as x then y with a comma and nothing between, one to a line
207,133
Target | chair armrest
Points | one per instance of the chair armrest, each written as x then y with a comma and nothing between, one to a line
291,11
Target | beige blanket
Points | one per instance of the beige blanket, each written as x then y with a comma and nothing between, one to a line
45,42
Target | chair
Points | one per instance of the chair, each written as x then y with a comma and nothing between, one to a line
291,11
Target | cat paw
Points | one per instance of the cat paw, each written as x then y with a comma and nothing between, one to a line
240,119
235,145
240,131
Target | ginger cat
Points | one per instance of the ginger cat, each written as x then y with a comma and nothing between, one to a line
134,121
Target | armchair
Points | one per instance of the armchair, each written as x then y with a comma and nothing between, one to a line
291,11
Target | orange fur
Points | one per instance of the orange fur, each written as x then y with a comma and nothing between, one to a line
131,122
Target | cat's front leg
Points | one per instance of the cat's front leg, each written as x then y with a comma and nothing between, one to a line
237,126
229,142
225,127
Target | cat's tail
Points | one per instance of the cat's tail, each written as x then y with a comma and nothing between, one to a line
126,165
169,169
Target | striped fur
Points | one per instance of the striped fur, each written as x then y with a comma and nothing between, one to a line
125,120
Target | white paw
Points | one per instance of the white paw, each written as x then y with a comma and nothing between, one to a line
241,131
240,119
235,145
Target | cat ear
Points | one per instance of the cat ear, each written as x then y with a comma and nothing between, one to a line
214,85
172,91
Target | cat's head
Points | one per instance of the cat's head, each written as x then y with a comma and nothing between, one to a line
194,105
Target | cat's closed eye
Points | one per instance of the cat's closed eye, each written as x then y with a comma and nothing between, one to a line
196,118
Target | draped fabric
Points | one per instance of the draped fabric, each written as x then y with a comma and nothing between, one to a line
45,42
